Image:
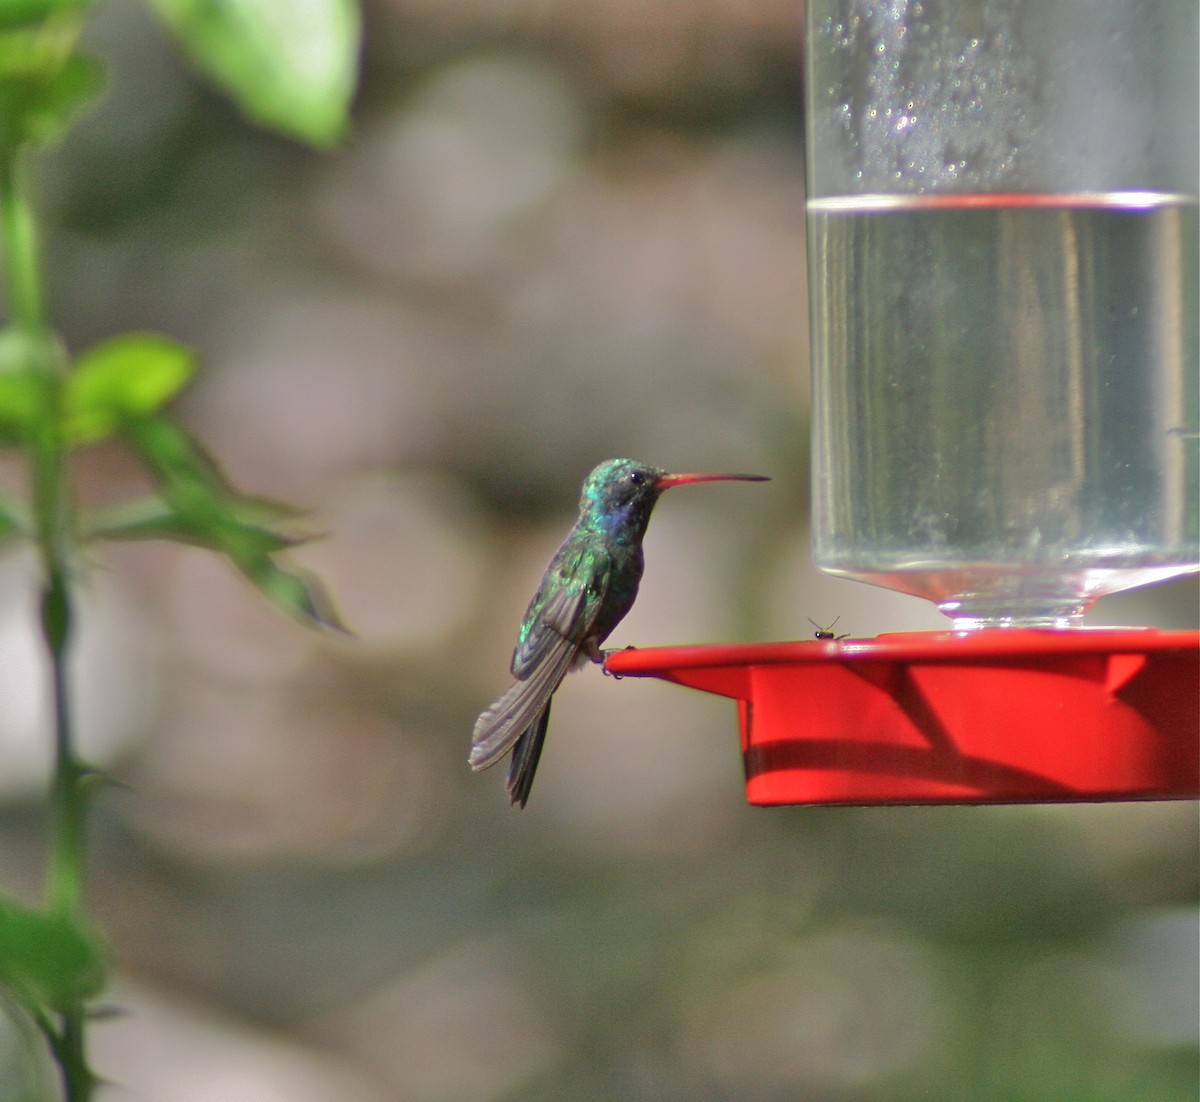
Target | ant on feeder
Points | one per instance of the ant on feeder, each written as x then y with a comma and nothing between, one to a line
826,634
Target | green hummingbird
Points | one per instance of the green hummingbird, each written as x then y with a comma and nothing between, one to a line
585,592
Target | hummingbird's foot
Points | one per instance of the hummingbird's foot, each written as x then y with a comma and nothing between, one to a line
604,658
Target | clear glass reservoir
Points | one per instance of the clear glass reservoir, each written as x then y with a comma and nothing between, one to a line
1003,252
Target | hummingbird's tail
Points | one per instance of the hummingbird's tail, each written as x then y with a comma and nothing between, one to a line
526,752
517,721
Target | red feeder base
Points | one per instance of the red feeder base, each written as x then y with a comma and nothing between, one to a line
993,716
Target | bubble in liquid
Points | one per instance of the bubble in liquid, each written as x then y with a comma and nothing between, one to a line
927,92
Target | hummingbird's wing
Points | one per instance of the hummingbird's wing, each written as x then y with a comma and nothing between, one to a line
563,610
560,617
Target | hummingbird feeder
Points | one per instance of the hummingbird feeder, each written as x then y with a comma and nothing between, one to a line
1003,321
999,716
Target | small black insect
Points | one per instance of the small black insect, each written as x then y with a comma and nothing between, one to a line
827,633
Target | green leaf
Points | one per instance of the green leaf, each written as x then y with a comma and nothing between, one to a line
25,361
291,65
19,13
14,521
151,519
54,104
202,508
43,86
300,595
45,959
20,406
128,376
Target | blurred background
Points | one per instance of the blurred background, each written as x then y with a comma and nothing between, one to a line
557,233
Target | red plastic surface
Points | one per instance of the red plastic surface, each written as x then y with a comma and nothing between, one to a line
994,716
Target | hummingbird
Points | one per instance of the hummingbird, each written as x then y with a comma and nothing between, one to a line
585,592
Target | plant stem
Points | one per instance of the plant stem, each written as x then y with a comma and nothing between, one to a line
51,497
66,862
22,269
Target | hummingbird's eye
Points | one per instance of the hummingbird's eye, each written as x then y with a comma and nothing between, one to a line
636,477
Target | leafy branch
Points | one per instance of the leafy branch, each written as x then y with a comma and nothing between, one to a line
291,67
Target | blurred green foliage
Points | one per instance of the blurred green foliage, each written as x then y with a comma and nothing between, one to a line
290,66
296,76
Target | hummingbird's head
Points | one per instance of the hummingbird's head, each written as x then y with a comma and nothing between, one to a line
620,493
